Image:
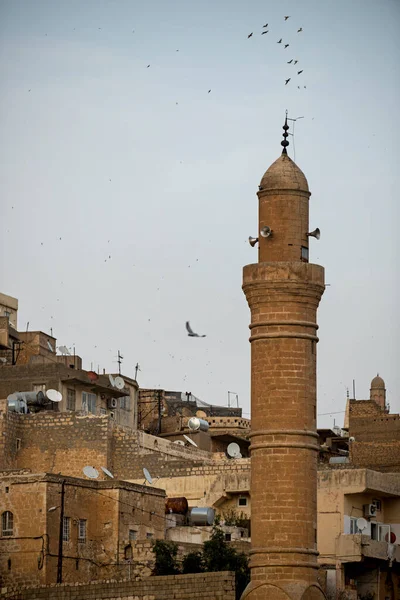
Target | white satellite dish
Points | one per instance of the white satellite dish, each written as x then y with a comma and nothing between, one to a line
233,450
107,472
90,472
64,350
147,475
119,383
188,439
50,347
179,442
53,395
112,380
362,523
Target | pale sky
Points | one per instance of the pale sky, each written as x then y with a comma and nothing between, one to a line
143,165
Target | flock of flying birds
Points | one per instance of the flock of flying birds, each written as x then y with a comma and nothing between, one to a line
292,60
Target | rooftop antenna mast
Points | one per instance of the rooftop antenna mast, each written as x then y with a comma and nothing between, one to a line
119,361
229,399
137,368
292,134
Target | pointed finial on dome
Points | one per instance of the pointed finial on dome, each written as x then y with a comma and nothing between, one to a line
284,142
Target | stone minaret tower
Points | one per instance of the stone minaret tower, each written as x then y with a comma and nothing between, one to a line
283,291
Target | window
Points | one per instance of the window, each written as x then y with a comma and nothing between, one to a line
7,313
71,399
66,529
124,402
89,402
304,254
103,411
242,502
353,526
82,530
18,444
7,524
149,535
132,534
39,387
228,537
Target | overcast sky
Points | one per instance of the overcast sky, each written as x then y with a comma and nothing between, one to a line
128,192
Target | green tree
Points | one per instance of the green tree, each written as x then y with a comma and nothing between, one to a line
166,558
193,563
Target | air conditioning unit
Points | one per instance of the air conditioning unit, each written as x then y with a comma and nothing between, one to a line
370,510
112,403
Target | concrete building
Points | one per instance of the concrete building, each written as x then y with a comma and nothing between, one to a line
283,291
99,519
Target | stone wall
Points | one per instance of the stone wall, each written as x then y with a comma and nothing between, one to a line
210,586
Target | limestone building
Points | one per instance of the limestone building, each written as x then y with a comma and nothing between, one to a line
283,291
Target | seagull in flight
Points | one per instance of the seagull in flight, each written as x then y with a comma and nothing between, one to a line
190,331
287,81
265,26
295,62
280,41
250,34
286,46
299,30
264,32
298,72
287,17
290,61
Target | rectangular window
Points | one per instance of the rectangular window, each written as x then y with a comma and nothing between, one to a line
39,387
71,399
103,411
66,529
89,402
82,530
7,524
149,535
304,254
18,444
242,502
132,534
228,537
124,402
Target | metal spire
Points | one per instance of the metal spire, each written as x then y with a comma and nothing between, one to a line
284,142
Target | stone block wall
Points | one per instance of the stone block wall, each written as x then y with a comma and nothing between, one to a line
210,586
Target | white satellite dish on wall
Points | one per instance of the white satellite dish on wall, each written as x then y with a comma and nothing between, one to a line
147,476
54,395
112,381
362,523
119,383
233,450
188,439
107,472
90,472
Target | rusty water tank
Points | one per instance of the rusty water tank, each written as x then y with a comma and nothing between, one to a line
178,506
202,515
196,424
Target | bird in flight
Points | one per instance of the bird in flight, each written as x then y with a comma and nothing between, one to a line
262,33
280,41
208,91
290,61
287,81
147,66
190,331
299,30
298,72
265,26
286,46
295,62
250,34
287,17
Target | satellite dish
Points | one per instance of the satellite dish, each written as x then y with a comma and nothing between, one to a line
50,347
107,472
266,231
362,523
119,383
352,439
92,375
90,472
64,350
147,475
188,439
53,395
112,381
179,442
233,450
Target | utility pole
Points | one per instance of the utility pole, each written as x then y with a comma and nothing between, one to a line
60,537
119,361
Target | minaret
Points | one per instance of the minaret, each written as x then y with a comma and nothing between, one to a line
283,291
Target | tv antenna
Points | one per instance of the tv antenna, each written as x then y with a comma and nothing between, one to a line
137,368
292,134
229,399
119,361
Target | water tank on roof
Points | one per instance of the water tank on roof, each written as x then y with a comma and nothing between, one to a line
178,506
196,424
202,516
17,404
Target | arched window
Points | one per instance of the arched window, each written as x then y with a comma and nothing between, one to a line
7,523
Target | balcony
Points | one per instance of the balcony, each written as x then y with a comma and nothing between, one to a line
356,547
